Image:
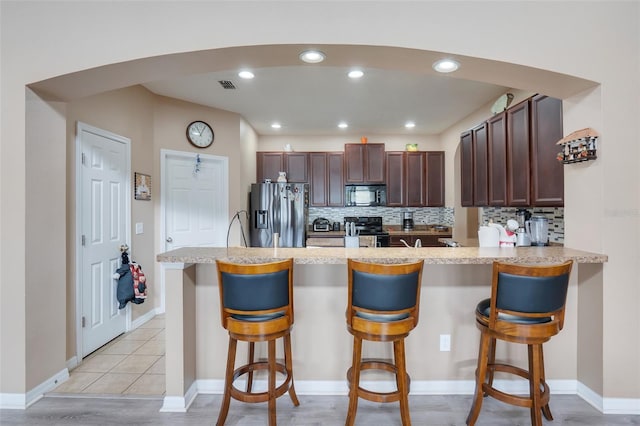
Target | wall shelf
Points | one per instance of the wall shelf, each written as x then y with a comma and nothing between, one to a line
578,146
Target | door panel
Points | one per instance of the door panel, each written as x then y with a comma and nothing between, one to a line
196,204
104,179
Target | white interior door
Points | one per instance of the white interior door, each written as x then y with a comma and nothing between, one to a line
195,200
104,184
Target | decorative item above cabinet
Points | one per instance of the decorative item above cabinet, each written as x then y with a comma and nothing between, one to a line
579,146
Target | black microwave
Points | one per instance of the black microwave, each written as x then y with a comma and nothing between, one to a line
365,195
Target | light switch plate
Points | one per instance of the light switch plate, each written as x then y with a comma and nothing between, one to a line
139,228
445,342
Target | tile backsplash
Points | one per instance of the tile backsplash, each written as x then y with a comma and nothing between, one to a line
390,215
555,215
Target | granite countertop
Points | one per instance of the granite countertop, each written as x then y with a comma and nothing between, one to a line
339,255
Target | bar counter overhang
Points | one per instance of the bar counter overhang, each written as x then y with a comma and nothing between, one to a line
454,281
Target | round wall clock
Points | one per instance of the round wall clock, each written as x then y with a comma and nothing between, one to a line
200,134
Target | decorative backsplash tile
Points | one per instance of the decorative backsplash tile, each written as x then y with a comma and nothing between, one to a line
390,215
555,215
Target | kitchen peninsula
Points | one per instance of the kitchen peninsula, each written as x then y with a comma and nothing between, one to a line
454,280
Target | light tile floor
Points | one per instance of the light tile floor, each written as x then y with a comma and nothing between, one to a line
131,364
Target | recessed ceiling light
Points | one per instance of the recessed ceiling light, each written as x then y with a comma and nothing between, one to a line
246,74
343,125
276,125
409,124
312,56
446,65
355,74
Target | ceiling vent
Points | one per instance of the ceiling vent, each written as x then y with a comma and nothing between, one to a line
226,84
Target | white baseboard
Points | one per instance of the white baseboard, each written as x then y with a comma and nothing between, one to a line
143,319
180,404
21,401
621,406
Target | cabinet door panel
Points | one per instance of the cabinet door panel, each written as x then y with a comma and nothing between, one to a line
296,167
466,169
395,179
547,174
318,179
269,164
336,179
354,163
497,142
480,158
435,179
518,156
416,179
374,163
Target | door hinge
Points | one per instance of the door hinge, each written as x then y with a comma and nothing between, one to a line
83,240
84,321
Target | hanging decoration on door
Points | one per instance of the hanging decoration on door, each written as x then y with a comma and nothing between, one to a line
196,166
132,283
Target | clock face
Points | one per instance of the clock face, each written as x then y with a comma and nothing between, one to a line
200,134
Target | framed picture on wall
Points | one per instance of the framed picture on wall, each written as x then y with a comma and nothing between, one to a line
142,187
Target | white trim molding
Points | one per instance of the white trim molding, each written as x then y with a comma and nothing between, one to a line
22,401
628,406
180,404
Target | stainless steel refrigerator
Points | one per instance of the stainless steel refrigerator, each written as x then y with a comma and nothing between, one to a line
281,208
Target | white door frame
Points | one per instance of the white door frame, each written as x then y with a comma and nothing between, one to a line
80,127
224,185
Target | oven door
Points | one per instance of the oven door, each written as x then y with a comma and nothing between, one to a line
383,240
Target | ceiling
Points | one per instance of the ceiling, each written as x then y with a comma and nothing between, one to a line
311,99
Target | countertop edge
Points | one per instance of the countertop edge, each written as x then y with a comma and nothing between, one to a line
339,255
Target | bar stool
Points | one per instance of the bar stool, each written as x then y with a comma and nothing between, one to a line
383,306
527,306
257,306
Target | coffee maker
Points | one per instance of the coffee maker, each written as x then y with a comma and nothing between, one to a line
407,220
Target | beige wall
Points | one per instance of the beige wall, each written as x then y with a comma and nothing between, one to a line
60,43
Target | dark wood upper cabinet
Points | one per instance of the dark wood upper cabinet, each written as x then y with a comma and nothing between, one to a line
416,179
547,174
518,155
294,164
395,179
480,166
497,143
466,169
364,163
326,178
435,178
268,165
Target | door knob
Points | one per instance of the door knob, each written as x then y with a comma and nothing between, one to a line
169,240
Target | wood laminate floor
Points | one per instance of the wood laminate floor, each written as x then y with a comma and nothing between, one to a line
568,410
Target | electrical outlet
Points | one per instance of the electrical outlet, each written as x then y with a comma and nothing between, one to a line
445,342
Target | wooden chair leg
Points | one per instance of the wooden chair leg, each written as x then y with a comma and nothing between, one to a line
546,411
355,381
289,367
481,374
272,382
401,380
534,385
228,382
250,357
492,360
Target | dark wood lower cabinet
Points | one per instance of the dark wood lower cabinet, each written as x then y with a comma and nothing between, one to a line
427,240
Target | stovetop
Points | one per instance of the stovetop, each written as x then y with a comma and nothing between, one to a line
367,225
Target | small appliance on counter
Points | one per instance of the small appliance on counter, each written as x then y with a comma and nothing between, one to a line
523,237
321,225
407,220
336,226
538,229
